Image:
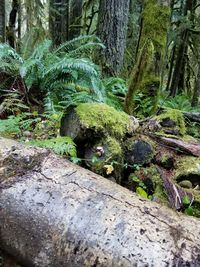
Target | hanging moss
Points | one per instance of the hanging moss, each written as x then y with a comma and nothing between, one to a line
102,117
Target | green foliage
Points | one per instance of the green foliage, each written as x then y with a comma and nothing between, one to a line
12,103
38,126
141,192
186,200
11,126
64,74
116,90
138,182
181,102
60,145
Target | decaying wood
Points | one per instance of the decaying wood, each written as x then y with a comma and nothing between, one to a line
54,213
192,116
189,147
174,192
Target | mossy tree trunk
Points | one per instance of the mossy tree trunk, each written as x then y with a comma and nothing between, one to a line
2,20
146,73
59,21
112,29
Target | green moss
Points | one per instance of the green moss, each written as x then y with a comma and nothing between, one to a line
152,47
187,165
156,22
114,146
159,191
175,115
102,117
112,153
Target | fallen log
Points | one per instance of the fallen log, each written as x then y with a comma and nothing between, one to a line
54,213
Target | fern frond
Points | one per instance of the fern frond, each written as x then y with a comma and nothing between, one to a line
42,49
84,65
77,42
60,145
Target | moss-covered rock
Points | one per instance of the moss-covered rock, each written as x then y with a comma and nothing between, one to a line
103,118
96,120
173,120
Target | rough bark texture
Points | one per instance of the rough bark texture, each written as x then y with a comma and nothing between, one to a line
187,147
59,21
146,73
11,36
2,20
75,18
54,213
112,28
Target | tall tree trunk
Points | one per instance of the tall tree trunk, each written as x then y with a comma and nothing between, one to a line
196,93
75,18
112,29
179,71
11,35
146,74
19,33
2,20
59,21
179,68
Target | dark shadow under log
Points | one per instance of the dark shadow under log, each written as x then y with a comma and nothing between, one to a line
54,213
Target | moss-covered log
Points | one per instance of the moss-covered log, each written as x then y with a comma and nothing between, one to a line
54,213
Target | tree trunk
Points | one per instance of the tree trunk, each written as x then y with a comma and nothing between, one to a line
146,74
54,213
196,93
75,18
11,36
111,29
2,21
59,21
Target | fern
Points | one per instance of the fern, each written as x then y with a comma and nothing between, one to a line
60,145
116,90
180,102
10,127
51,71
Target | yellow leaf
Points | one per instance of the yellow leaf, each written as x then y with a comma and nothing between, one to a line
109,169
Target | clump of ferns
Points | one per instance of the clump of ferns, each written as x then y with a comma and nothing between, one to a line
52,71
12,104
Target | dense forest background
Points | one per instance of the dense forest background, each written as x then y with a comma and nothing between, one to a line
135,56
112,85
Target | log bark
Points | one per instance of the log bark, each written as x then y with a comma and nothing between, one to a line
192,116
185,147
54,213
